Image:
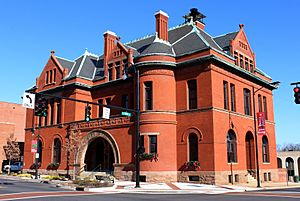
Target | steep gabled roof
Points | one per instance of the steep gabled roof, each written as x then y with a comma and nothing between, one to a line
224,40
65,62
183,39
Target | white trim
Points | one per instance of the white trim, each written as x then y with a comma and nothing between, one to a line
161,12
81,64
183,37
110,33
64,59
150,133
71,70
225,34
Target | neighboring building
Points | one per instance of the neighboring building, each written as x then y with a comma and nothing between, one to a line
12,121
289,160
196,105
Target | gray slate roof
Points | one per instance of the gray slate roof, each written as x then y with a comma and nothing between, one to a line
183,39
223,41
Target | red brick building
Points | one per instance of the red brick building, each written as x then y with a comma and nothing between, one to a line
12,121
196,105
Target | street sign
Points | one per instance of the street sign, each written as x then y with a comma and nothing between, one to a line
106,113
28,100
261,121
37,155
33,146
128,114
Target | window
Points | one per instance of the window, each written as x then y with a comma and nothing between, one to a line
265,149
192,94
40,121
54,75
225,92
50,76
58,112
259,103
131,101
108,101
193,147
110,74
148,96
125,101
118,72
251,66
142,141
56,151
231,147
265,107
47,77
152,143
241,61
52,111
232,96
236,58
100,101
246,64
247,101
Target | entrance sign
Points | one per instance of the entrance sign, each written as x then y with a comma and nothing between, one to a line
106,113
28,100
261,121
34,146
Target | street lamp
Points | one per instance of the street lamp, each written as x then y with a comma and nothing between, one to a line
137,124
275,85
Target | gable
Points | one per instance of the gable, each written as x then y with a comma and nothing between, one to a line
241,45
51,75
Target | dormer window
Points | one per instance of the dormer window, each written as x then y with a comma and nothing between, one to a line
246,63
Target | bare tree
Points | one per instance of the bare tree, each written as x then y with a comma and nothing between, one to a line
72,147
288,147
12,150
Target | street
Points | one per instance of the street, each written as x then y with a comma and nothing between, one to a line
28,190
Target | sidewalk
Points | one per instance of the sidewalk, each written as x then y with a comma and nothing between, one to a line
171,188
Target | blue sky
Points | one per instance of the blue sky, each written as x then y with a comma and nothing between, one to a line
30,29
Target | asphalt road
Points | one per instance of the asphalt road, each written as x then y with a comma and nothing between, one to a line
22,190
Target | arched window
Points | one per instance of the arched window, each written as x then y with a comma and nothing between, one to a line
279,163
193,147
40,151
265,149
231,147
56,150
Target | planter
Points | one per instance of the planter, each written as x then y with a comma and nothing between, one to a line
192,165
151,157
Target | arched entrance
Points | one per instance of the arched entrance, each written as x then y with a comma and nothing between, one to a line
290,166
99,156
250,156
98,151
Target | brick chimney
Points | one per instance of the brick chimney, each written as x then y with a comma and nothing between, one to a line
162,24
109,43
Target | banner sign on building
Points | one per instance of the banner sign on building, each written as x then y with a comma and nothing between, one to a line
34,146
261,122
106,113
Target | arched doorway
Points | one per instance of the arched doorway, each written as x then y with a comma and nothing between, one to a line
290,166
99,156
98,147
250,151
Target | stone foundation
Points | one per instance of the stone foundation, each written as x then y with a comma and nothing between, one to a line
203,177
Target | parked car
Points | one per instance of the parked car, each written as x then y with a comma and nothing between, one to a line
14,167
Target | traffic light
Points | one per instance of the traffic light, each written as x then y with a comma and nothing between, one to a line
41,107
297,95
88,113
